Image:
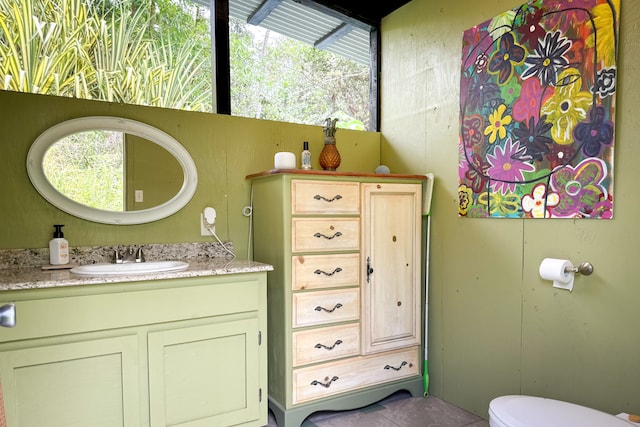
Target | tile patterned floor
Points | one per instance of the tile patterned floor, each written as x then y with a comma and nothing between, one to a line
398,410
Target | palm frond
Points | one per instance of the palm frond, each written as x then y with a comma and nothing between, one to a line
70,48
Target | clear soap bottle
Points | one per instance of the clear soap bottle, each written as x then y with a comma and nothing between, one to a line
305,158
58,248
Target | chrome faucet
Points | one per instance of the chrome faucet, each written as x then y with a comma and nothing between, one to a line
129,256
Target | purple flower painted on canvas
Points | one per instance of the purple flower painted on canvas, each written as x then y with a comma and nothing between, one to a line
505,58
594,134
547,59
580,188
535,138
506,169
482,91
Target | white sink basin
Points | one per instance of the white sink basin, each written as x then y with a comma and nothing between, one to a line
108,269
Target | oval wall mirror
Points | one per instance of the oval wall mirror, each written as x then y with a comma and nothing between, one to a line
112,170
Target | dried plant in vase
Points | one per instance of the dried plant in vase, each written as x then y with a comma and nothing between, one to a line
329,156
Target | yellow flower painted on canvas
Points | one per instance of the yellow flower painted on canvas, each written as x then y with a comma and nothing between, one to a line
503,205
567,107
497,123
464,199
604,17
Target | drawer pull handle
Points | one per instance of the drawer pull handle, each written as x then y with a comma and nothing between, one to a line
318,308
337,270
338,342
404,363
336,234
319,197
325,385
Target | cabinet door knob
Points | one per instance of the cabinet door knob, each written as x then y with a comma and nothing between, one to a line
8,315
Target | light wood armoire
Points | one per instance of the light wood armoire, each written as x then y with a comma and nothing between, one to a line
345,297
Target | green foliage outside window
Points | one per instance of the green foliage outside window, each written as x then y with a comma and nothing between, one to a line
96,50
158,53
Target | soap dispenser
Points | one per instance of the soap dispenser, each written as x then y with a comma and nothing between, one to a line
58,247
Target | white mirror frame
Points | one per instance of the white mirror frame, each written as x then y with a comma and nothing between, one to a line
50,136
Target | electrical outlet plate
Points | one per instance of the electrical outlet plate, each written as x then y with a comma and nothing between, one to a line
204,231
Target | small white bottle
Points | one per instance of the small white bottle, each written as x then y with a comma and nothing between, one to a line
305,158
58,247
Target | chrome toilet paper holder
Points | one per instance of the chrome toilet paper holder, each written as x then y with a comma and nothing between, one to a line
585,268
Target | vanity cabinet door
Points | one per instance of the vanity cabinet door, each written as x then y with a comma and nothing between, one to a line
78,384
205,375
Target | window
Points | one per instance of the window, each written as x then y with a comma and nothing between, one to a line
159,53
306,63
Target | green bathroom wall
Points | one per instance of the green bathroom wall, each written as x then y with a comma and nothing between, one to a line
225,150
495,327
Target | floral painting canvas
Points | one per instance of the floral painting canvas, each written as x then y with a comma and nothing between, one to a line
537,112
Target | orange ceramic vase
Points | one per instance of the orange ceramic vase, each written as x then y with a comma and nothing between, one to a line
329,156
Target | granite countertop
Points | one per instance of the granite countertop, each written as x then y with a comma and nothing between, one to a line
36,278
23,269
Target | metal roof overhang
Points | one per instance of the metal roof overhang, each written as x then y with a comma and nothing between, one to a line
308,22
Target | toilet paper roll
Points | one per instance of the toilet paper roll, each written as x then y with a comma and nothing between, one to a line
556,270
284,160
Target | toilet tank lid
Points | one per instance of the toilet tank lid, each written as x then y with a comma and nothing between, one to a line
532,411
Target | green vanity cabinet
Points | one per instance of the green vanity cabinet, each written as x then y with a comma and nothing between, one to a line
208,372
345,295
174,352
94,382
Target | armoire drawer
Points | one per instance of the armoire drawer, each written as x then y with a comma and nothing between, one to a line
324,271
325,234
324,307
324,197
319,381
322,344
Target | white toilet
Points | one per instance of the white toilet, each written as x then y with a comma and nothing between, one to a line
530,411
